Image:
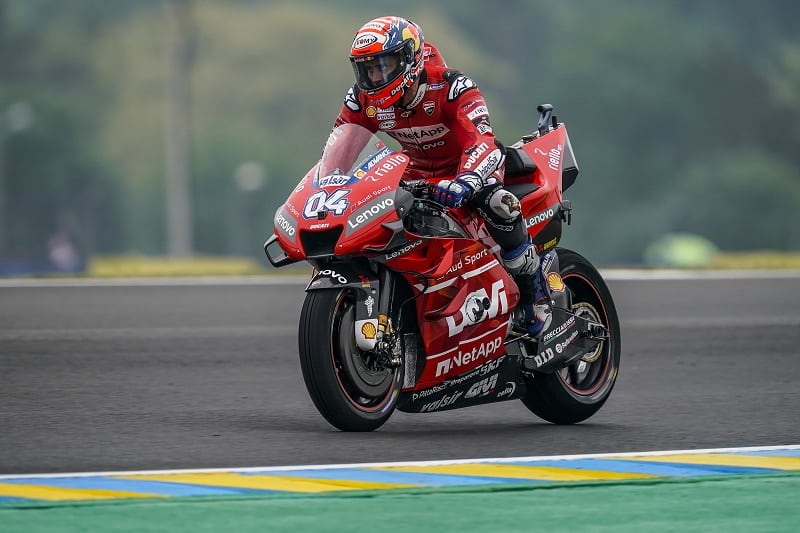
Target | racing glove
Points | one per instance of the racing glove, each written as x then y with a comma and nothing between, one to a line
453,193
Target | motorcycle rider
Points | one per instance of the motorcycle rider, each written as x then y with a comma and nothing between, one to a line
441,120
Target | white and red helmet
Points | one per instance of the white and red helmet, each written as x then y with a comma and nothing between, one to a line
387,58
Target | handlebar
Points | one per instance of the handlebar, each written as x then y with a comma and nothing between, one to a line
421,189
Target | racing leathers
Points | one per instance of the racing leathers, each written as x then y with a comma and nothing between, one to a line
446,133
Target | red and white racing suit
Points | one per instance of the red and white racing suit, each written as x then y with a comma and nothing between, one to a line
445,131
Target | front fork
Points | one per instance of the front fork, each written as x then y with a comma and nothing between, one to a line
373,324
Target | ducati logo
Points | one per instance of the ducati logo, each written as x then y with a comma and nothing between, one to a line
429,107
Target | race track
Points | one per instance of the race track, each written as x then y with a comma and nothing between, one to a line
174,374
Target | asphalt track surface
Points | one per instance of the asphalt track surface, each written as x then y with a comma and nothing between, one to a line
174,374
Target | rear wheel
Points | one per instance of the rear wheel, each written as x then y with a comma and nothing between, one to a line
576,392
349,387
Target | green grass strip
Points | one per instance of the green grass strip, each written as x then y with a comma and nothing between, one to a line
767,502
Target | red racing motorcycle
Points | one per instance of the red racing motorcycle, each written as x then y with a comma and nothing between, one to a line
409,306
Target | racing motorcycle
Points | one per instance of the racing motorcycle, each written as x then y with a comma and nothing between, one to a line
409,306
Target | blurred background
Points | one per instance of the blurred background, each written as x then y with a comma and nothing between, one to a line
175,128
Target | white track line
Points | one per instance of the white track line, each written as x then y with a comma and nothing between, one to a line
616,455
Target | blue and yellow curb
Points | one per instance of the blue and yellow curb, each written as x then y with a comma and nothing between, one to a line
268,481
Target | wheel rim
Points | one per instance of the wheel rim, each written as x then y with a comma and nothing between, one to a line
591,375
366,387
587,311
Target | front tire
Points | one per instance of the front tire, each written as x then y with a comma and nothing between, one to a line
575,393
345,384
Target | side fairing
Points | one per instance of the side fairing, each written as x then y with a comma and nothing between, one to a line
464,309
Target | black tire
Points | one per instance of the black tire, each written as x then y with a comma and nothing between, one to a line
575,393
350,395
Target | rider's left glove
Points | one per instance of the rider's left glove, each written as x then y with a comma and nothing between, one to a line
453,193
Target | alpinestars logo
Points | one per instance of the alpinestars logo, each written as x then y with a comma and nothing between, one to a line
351,102
477,307
459,86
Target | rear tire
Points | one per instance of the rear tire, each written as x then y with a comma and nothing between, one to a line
343,382
575,393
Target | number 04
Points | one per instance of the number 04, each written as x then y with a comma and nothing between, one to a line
321,200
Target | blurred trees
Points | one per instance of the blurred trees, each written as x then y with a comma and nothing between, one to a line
685,116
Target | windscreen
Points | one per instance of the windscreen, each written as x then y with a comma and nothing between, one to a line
349,148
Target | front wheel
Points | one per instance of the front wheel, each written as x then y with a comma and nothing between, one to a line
576,392
349,387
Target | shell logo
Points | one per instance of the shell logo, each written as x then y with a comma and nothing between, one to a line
368,330
555,282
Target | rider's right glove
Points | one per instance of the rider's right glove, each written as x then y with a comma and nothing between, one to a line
453,193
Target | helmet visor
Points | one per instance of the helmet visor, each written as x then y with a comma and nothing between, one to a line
376,72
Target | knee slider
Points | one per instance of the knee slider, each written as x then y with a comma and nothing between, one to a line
504,204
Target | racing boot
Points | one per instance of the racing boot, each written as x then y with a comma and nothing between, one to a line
526,267
539,312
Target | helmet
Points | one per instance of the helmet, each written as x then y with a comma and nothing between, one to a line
387,58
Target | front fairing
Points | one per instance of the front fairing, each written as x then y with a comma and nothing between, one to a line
342,204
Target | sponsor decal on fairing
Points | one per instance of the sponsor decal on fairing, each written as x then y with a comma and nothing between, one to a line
286,224
477,307
541,216
429,392
372,161
335,180
301,185
553,156
335,276
544,357
391,163
444,401
482,388
482,350
561,346
404,250
510,388
560,330
376,209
